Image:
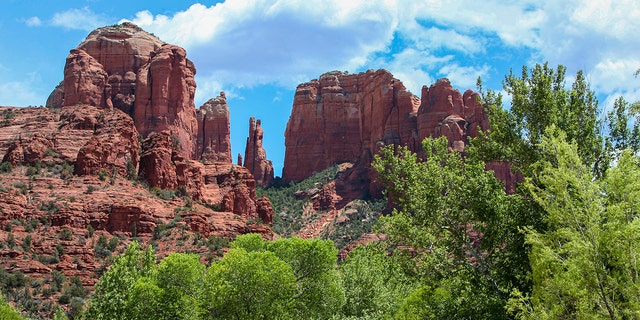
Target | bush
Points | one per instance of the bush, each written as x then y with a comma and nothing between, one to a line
65,234
6,167
26,243
102,175
101,249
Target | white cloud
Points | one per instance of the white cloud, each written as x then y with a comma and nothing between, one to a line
33,22
78,19
18,94
515,22
464,77
243,44
284,42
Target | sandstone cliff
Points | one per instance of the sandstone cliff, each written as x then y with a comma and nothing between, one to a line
126,68
213,143
255,157
151,86
346,118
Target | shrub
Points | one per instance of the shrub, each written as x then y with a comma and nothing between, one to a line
6,167
102,175
26,243
65,234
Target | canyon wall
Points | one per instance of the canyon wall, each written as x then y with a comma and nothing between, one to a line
343,117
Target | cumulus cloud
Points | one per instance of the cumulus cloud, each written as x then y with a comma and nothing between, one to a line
276,41
78,19
33,22
240,44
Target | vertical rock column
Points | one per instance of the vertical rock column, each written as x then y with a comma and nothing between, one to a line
255,157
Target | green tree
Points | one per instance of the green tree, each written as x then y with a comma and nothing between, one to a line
374,283
458,219
111,296
319,288
540,98
320,293
249,285
621,136
584,264
7,311
172,290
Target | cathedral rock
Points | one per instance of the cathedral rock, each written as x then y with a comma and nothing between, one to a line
343,117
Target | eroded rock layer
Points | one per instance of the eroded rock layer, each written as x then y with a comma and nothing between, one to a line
126,68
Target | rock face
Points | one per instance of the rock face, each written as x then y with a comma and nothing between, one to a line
348,117
165,89
255,157
445,112
127,68
114,146
213,143
85,80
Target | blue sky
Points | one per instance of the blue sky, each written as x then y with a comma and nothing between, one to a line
258,51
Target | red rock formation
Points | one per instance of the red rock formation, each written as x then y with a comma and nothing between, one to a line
255,157
213,143
346,118
265,210
445,112
127,68
85,80
164,97
28,150
120,83
156,165
114,146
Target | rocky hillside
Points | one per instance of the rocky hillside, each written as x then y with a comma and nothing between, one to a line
120,152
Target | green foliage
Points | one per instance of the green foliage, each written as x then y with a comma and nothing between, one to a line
319,286
250,285
584,265
7,312
90,189
163,194
6,167
287,207
285,279
102,175
250,242
65,234
113,292
360,216
171,291
459,221
621,136
26,243
374,283
540,98
132,172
